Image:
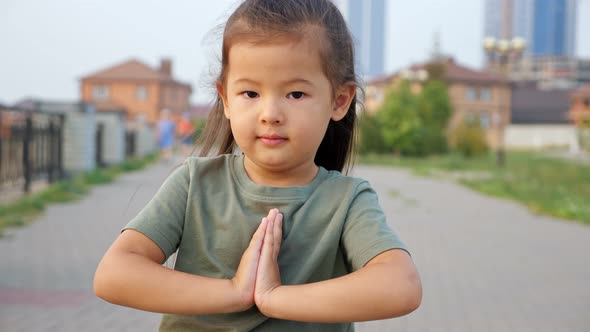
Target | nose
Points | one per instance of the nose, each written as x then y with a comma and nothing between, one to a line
271,112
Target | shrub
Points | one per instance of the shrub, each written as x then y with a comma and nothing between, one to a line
413,124
469,140
370,138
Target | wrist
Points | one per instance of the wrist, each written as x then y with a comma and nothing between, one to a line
267,305
241,299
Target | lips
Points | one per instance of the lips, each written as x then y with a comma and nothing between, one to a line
272,139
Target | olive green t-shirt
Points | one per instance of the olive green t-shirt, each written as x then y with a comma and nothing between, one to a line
208,210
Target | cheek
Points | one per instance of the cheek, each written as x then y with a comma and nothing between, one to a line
241,128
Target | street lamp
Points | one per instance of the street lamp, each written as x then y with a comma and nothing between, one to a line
502,55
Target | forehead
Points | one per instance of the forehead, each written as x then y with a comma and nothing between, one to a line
275,61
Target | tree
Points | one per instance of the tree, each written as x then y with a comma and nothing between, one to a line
400,122
370,137
434,109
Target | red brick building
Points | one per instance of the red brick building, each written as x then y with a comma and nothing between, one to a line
474,95
136,88
580,105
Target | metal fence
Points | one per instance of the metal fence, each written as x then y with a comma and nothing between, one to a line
30,148
130,144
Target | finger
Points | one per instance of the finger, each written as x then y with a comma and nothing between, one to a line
267,247
272,214
277,235
268,236
258,237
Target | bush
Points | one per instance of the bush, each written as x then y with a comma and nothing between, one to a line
414,124
370,138
469,140
584,134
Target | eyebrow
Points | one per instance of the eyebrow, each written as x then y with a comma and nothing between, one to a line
287,82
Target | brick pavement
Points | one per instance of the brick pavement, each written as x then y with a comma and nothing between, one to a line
486,264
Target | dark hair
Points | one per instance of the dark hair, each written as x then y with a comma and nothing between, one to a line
261,21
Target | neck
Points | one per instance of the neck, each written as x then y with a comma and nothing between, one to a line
300,176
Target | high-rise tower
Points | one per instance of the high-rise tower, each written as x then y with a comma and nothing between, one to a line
366,20
548,26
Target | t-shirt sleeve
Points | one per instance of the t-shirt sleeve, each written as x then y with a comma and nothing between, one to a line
162,219
366,233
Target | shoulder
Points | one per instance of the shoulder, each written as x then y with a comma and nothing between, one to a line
342,190
208,167
344,183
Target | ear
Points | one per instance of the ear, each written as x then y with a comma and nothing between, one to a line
342,100
223,96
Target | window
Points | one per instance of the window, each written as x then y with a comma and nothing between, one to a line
478,93
141,93
485,94
375,94
100,92
379,95
470,93
484,120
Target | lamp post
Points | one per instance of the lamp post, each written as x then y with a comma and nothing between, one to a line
502,55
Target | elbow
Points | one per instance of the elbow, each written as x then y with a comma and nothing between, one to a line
413,294
407,297
100,285
104,284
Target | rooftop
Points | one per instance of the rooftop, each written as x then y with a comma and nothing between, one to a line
134,69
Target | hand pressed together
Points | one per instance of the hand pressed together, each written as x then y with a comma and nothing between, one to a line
268,277
258,273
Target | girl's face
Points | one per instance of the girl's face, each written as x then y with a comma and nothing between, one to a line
279,103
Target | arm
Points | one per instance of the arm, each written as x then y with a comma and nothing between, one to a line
387,286
131,274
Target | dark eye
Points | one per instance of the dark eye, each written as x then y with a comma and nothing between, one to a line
296,95
250,94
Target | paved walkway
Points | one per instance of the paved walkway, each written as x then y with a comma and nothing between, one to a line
486,264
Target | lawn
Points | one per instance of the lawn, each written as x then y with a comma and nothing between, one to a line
545,184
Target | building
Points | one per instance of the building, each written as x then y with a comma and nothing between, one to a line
540,119
136,88
366,21
475,96
549,72
580,105
548,26
200,111
580,114
531,105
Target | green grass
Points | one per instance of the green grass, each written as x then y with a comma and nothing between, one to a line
24,210
546,185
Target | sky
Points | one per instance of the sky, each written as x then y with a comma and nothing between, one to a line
47,46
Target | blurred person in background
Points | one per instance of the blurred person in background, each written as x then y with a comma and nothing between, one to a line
185,130
166,130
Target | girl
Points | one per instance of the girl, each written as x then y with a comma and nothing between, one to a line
323,255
